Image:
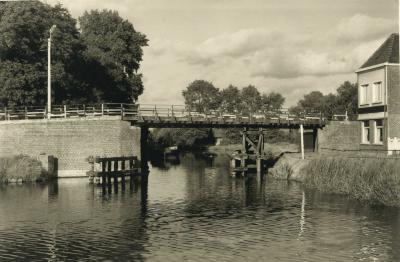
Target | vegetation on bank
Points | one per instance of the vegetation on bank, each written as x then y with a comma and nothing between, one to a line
20,168
374,180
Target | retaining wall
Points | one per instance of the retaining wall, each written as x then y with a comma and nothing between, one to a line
70,140
340,135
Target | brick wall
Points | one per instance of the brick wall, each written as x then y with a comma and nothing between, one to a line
339,135
393,100
70,140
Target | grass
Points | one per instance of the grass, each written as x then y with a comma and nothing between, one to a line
372,180
20,168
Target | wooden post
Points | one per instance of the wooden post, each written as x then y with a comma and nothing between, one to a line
103,170
26,113
65,111
144,133
123,175
115,169
109,174
302,140
102,109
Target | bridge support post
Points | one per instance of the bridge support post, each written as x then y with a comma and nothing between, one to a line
144,134
251,157
302,141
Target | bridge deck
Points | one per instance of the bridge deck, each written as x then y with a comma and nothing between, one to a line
169,116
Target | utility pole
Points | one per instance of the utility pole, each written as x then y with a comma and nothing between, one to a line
49,73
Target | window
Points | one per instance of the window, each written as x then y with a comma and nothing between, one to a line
364,95
365,132
377,93
379,131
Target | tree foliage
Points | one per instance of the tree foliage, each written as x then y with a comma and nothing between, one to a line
113,43
78,75
345,100
230,99
202,96
182,137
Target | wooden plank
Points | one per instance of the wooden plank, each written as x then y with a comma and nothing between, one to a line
103,159
118,172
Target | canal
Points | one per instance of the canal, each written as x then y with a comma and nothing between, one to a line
193,211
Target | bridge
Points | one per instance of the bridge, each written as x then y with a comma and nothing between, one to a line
174,116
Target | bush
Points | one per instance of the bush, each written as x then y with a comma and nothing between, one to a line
182,137
20,168
376,180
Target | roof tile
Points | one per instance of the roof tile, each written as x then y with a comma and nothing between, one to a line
388,52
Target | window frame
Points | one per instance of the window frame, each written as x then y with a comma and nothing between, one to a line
377,90
364,95
366,130
377,139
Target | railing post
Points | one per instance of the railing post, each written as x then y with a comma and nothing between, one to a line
84,110
26,112
65,111
122,111
172,110
5,114
102,109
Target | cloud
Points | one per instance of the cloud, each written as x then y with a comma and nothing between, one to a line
363,28
272,54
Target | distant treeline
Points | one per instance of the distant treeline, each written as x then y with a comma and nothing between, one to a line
203,96
96,62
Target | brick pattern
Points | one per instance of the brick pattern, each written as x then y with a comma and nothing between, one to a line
393,84
71,141
340,136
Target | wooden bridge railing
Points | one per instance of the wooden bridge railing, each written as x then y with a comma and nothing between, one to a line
141,111
68,111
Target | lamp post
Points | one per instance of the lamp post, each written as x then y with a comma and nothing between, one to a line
49,73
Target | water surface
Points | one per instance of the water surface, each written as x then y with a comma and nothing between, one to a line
192,211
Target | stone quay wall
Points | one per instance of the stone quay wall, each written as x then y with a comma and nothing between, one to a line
71,141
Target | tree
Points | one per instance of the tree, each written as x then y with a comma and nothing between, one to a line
272,101
347,97
230,99
24,29
311,102
202,96
113,43
98,65
250,99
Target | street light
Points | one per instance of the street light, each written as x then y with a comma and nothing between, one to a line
49,73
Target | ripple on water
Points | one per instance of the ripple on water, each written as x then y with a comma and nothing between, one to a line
196,213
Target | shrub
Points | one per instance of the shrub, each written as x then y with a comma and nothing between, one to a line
20,168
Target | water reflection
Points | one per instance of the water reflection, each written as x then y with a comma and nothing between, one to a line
192,211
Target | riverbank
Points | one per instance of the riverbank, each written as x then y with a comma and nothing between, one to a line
20,168
274,149
365,178
374,180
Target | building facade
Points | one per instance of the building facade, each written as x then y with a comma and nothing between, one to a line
379,99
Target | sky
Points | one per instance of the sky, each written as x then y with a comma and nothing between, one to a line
287,46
